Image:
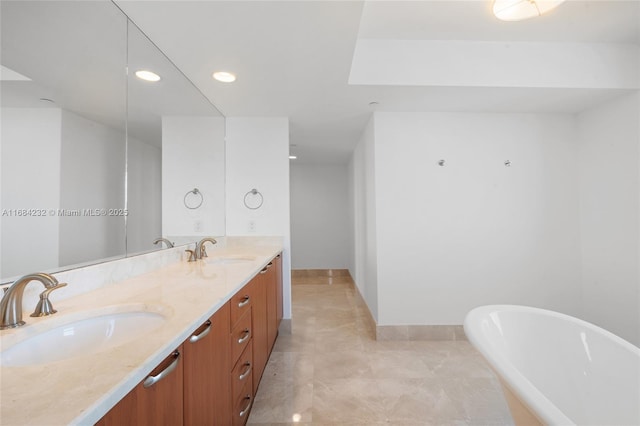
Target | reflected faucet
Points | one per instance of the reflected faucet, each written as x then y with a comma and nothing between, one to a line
200,251
11,303
163,240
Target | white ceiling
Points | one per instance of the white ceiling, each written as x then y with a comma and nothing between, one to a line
599,21
293,58
86,75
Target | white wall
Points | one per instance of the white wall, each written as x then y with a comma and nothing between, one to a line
193,156
257,153
363,263
30,136
144,195
91,177
474,232
319,216
609,215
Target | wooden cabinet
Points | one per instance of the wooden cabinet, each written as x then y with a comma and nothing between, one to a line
244,305
243,371
242,405
279,295
240,336
242,385
260,337
269,281
241,303
157,400
213,377
207,361
267,308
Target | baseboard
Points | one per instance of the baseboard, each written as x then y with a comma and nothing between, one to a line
312,273
285,326
411,332
371,321
420,332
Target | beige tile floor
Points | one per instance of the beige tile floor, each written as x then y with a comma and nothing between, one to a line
331,371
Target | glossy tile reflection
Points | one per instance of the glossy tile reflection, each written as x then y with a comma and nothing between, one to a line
331,370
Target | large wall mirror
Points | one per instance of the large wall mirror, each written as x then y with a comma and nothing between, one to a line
95,162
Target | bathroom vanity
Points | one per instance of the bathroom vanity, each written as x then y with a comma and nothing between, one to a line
191,342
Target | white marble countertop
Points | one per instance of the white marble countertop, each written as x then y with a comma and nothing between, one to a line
81,389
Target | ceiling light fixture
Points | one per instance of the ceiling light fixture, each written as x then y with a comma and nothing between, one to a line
147,75
293,157
517,10
224,76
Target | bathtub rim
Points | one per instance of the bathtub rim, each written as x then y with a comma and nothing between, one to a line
530,396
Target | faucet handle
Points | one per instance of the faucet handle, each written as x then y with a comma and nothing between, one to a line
192,255
203,251
44,306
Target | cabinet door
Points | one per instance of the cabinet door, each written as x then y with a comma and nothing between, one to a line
207,362
155,401
160,394
125,412
272,308
260,343
279,297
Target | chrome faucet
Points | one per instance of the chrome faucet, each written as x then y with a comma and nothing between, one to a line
200,251
163,240
11,303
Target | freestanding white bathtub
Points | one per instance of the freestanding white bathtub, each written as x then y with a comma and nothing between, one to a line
556,369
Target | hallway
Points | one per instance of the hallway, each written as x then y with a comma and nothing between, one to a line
331,371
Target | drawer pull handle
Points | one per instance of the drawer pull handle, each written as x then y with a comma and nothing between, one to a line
270,264
152,380
245,300
246,334
206,331
246,372
264,270
248,407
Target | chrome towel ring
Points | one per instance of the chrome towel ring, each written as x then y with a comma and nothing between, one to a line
253,199
193,203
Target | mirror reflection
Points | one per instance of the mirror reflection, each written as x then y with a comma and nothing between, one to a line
63,134
94,161
175,145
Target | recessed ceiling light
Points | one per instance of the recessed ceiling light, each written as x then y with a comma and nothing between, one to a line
225,77
147,75
293,157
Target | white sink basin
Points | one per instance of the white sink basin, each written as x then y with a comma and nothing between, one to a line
81,337
229,260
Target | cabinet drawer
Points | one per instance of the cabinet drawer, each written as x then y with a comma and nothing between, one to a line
240,304
240,336
242,372
242,404
158,400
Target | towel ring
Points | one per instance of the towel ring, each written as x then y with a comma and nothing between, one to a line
253,205
196,204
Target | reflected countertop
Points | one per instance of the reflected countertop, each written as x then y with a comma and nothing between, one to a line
81,389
